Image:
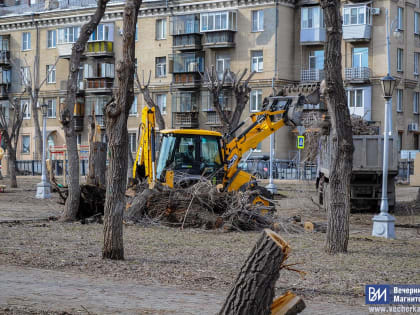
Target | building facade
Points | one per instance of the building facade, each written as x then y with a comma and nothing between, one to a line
282,41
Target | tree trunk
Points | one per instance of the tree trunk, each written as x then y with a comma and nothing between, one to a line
116,115
72,203
12,167
130,165
98,161
254,288
338,208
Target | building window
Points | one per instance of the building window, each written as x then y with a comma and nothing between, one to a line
24,105
52,39
161,103
132,141
416,141
25,74
399,100
256,100
355,98
222,64
68,34
360,57
106,70
356,15
26,144
316,60
416,63
400,18
133,108
26,41
161,29
400,140
416,102
400,53
52,107
257,61
160,67
103,32
50,73
417,23
79,138
218,21
258,21
312,17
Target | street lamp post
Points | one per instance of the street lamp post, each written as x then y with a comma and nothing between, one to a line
43,189
384,223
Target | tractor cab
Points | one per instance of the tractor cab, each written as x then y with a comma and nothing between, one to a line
186,155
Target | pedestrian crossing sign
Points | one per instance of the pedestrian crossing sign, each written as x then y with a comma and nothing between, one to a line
301,142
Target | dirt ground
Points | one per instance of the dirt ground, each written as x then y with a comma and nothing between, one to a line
51,267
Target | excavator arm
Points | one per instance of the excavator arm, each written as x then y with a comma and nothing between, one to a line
277,112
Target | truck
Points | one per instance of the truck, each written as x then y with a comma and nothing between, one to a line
366,178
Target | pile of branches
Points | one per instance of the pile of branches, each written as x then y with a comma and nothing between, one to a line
199,206
362,127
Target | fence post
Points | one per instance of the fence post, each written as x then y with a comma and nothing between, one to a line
33,168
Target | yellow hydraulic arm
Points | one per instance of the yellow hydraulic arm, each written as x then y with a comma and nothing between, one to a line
145,157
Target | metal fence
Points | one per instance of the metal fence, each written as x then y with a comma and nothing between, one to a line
33,167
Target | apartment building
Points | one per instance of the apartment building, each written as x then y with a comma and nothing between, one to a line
282,41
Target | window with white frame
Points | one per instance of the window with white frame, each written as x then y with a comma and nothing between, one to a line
257,61
222,64
25,73
316,60
68,34
355,98
161,103
51,38
50,73
416,96
103,32
5,76
26,144
400,55
255,100
356,15
312,17
218,21
416,63
258,20
400,18
133,108
161,29
106,70
417,23
52,107
160,67
399,95
360,57
132,141
26,41
24,105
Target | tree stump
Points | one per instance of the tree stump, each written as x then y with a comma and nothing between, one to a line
254,288
98,160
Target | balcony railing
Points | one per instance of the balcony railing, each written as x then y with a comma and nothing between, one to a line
213,118
219,39
357,32
186,119
311,75
80,87
187,41
312,36
78,123
4,57
99,84
357,74
186,80
99,48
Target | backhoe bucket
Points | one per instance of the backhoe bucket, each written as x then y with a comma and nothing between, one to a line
295,111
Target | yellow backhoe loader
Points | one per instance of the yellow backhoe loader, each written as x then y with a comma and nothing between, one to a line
186,155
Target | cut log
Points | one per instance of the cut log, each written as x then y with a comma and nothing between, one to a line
254,287
97,164
287,304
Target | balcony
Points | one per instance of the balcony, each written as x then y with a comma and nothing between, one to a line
357,75
99,49
219,39
80,87
185,119
99,85
213,118
187,42
64,50
311,75
186,80
78,123
312,36
4,91
356,33
100,120
4,57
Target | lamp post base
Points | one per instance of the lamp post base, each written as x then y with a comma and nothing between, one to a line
272,188
43,190
384,226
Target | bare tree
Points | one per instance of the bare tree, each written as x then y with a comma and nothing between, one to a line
240,89
67,119
116,116
338,208
9,129
144,88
